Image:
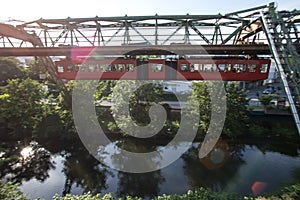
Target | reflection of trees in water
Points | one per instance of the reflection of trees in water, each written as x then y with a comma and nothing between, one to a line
82,169
278,145
136,184
142,185
19,162
296,174
202,174
124,161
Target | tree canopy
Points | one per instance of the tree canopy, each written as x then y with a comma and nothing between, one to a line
21,103
10,69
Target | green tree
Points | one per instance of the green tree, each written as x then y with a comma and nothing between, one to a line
35,68
103,90
236,110
200,97
266,99
10,191
148,93
21,104
64,112
237,113
10,69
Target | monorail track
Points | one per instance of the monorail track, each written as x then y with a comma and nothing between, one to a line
246,49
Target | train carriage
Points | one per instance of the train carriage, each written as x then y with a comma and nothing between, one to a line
224,69
160,69
107,69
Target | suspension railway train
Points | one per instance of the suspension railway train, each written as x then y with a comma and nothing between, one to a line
227,69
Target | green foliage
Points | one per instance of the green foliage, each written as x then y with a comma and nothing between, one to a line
257,130
36,67
284,131
63,111
291,192
236,112
10,69
104,90
86,196
21,104
287,193
89,196
122,96
200,95
199,194
266,99
10,191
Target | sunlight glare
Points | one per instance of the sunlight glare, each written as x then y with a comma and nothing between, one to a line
26,152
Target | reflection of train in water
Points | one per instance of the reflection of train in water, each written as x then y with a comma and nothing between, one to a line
160,69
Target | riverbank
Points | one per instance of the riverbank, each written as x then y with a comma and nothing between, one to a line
292,192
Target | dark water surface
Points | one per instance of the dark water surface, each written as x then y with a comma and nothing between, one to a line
46,168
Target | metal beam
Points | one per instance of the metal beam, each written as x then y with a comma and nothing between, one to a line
7,30
157,29
281,71
141,50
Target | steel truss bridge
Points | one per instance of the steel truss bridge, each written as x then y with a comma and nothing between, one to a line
258,31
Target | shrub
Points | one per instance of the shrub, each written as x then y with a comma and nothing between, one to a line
10,191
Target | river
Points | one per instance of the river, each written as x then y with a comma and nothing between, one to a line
48,167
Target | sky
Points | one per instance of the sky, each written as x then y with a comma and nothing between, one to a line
29,10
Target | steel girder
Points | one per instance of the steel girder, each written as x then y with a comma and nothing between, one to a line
240,27
231,28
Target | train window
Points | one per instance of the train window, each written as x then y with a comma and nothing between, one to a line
155,67
92,67
79,67
195,67
60,69
236,68
264,68
221,67
242,67
129,67
192,68
112,68
119,67
97,68
227,68
183,67
251,68
69,68
214,68
207,67
104,68
210,67
76,68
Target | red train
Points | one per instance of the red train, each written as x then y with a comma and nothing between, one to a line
160,69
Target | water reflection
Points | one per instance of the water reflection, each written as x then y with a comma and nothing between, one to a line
206,173
84,171
217,157
27,153
143,185
20,162
240,168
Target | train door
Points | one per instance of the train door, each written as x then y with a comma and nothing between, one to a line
142,69
171,70
156,69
